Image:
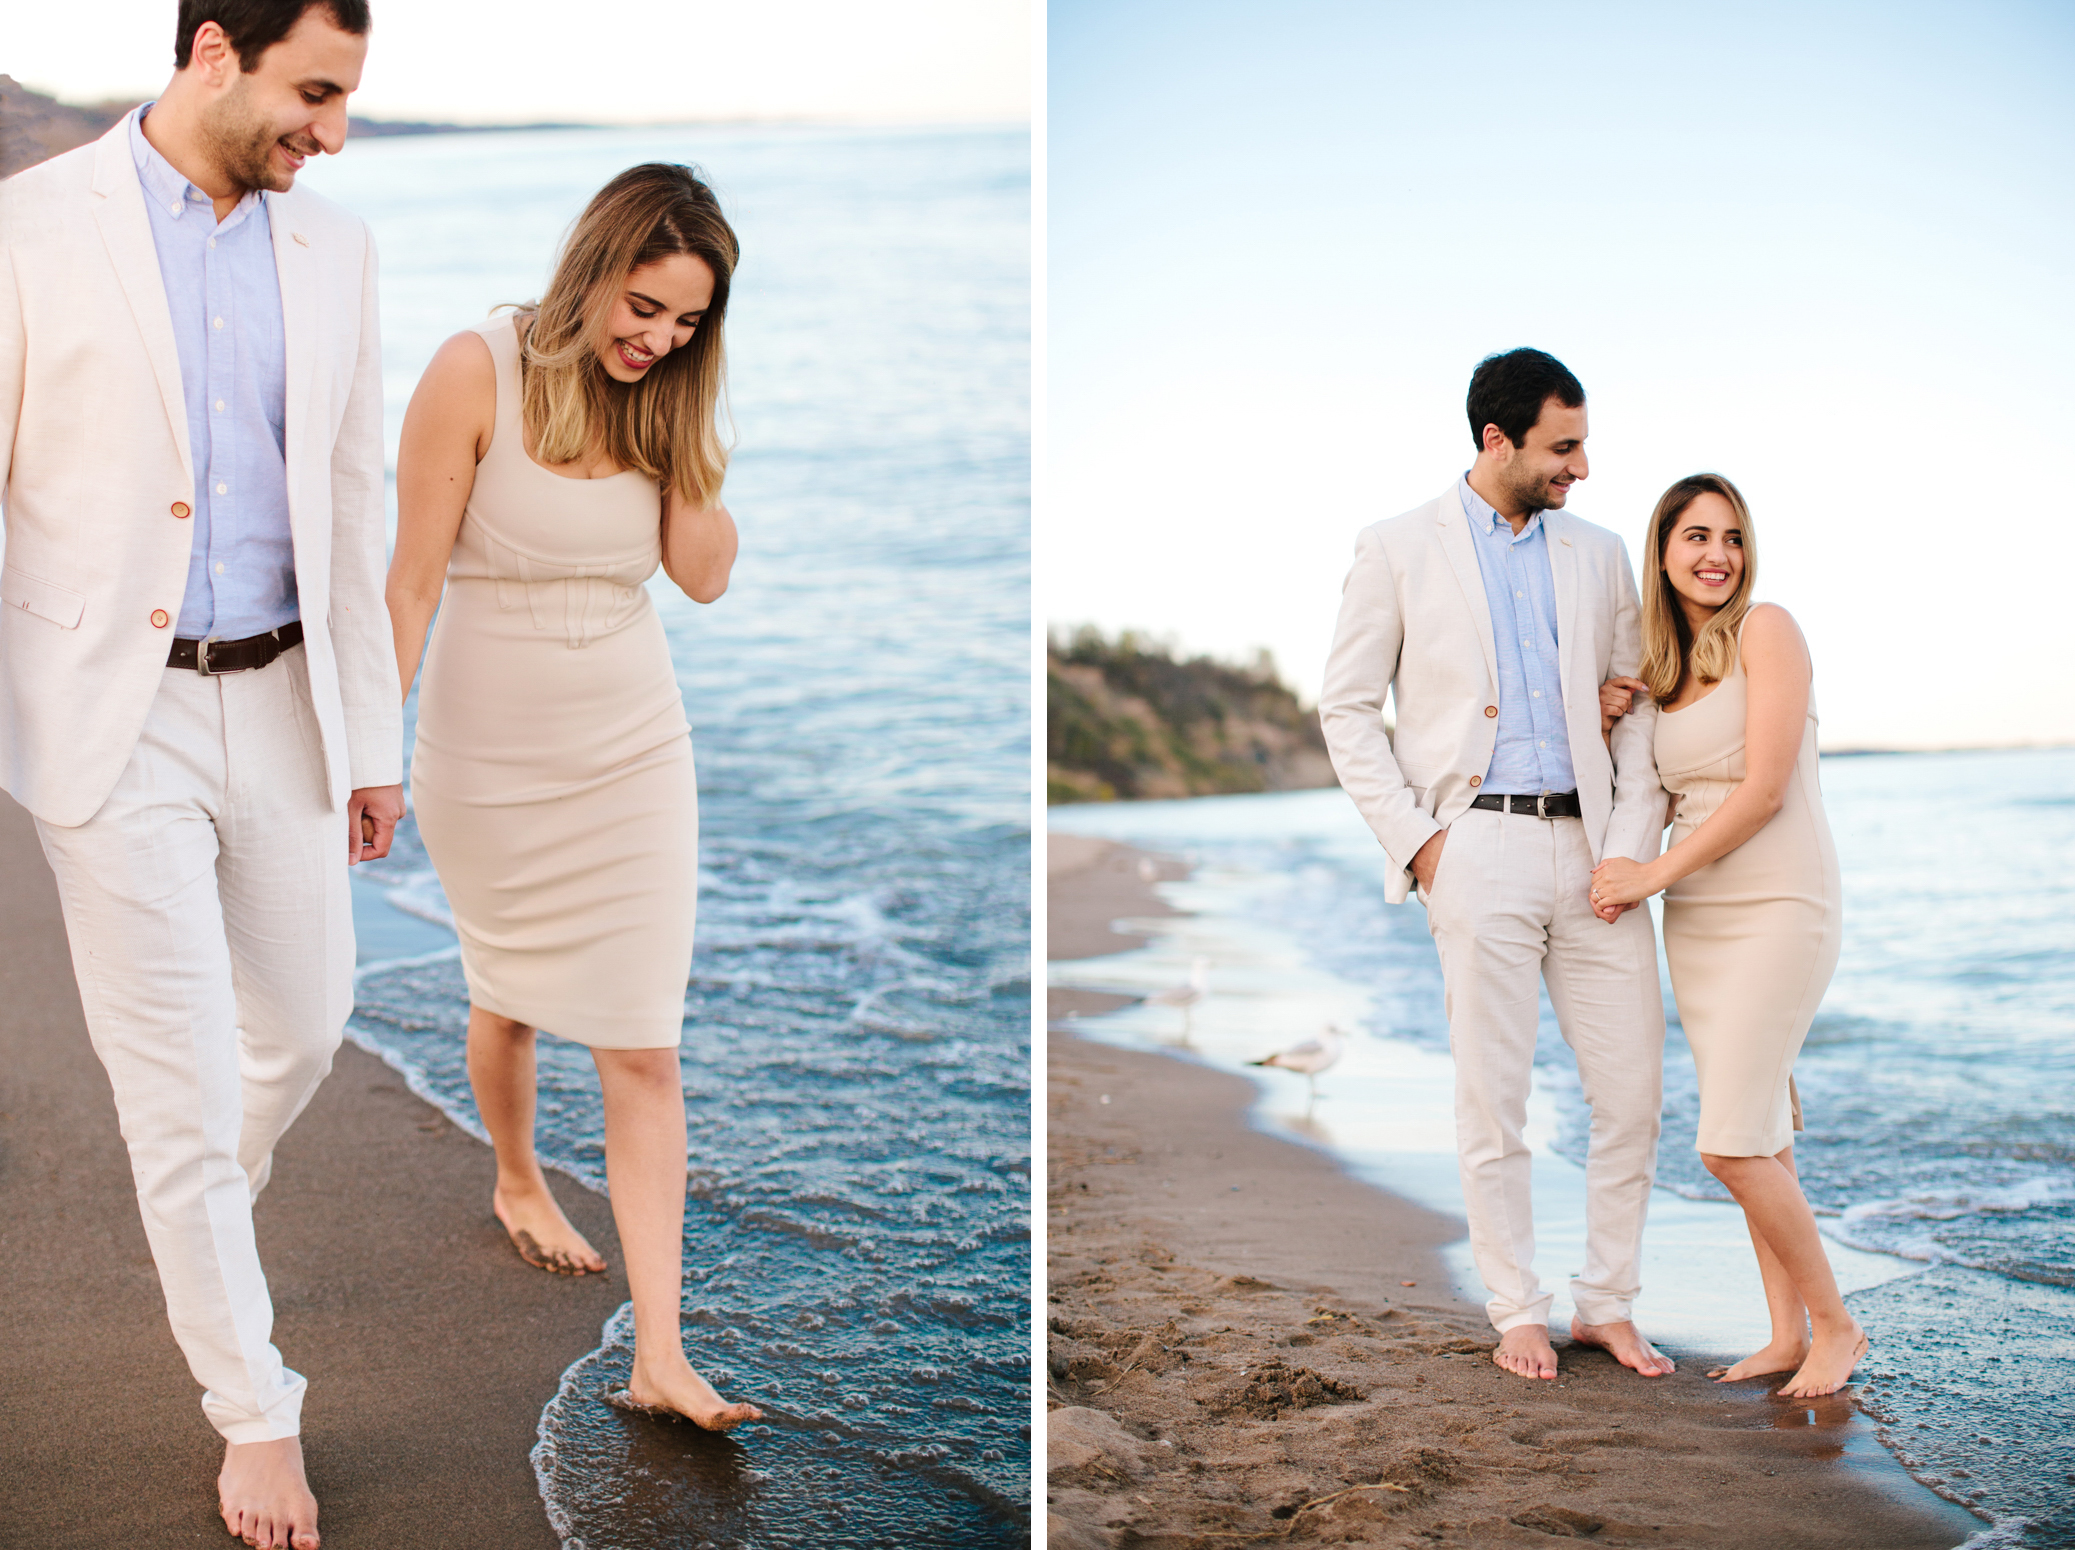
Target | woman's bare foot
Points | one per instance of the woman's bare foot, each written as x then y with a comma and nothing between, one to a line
1625,1343
1525,1351
679,1390
1775,1357
263,1496
542,1234
1829,1366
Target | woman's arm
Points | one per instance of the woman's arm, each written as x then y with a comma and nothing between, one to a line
1776,666
446,431
698,546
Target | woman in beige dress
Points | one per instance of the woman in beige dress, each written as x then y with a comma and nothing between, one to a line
1752,907
550,461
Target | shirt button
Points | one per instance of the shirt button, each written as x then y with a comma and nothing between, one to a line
219,570
160,619
219,406
1541,745
1520,594
217,323
1476,780
223,489
1491,710
212,244
1538,694
181,509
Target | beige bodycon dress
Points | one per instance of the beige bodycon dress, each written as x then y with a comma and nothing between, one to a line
553,777
1752,938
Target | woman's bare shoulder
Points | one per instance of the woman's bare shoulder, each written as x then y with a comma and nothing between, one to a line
461,363
1771,636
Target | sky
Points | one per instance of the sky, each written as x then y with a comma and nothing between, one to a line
609,61
1825,249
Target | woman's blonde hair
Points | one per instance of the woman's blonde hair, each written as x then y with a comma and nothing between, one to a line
1668,641
666,425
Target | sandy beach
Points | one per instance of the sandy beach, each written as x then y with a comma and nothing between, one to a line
1248,1346
430,1348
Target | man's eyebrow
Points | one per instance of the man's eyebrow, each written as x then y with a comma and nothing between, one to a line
328,88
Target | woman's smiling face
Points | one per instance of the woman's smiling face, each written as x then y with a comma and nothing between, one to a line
658,309
1704,553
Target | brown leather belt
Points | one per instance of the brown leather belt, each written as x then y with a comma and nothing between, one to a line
213,658
1550,804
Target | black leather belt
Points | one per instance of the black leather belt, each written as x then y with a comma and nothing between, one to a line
1550,804
212,658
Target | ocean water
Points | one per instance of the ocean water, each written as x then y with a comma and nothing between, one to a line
856,1051
1938,1080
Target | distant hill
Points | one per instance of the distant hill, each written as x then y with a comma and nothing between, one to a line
34,127
1125,719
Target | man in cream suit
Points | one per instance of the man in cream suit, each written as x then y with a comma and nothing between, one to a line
198,694
1492,617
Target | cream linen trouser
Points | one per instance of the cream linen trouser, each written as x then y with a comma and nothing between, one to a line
1510,906
211,928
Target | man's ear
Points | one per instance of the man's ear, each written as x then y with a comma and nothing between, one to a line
1496,441
213,60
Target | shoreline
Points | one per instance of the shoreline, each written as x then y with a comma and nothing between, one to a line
430,1347
1242,1365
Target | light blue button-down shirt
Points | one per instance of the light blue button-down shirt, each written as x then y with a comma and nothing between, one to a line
1533,751
226,303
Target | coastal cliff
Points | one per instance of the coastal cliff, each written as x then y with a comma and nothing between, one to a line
1126,719
34,127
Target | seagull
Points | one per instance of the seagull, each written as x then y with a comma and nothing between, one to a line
1311,1057
1185,996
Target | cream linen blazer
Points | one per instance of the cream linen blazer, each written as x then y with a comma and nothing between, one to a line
1414,623
94,459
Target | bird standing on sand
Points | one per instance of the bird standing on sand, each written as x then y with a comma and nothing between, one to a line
1185,996
1311,1057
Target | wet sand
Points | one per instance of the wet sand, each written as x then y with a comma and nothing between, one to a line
1236,1358
430,1348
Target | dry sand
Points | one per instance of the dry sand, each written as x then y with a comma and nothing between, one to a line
1236,1357
430,1348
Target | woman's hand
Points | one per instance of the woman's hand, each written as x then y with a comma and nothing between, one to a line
1619,883
1617,699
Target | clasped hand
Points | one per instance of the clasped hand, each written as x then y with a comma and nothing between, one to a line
1619,885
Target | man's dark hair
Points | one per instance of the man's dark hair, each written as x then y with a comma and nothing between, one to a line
1509,390
254,26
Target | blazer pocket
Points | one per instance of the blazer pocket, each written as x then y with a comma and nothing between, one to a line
60,605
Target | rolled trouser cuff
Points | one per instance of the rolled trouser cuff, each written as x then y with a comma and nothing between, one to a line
279,1415
1597,1307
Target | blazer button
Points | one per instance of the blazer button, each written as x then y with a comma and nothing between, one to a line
181,509
1476,780
160,618
1491,710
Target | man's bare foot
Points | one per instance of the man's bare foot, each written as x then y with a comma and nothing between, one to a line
542,1234
678,1390
263,1496
1625,1343
1775,1357
1831,1359
1525,1352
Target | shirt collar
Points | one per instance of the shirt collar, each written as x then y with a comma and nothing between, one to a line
167,188
1484,518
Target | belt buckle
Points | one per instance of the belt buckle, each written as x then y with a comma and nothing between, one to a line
202,658
1542,805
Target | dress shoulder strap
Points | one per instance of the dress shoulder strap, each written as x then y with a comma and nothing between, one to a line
503,339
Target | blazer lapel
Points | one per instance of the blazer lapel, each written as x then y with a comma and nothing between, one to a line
1461,549
295,267
1563,570
126,230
